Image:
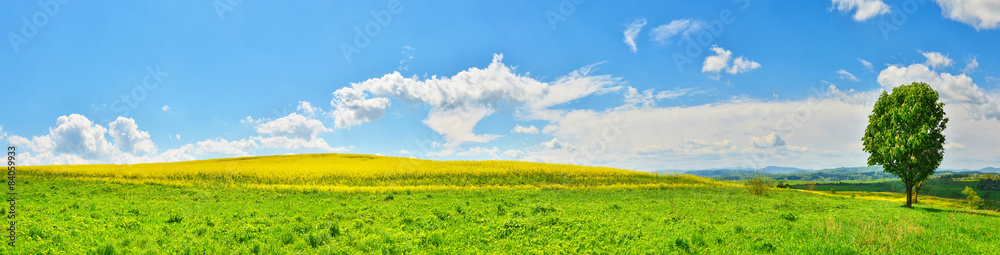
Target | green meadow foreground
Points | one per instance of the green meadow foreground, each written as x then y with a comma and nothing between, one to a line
546,210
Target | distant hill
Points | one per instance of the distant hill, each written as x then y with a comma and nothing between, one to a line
990,170
785,170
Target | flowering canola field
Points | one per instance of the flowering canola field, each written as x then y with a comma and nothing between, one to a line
355,172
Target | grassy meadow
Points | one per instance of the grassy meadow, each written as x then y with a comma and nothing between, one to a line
388,205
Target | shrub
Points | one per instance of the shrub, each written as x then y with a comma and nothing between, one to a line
974,200
833,191
810,186
758,185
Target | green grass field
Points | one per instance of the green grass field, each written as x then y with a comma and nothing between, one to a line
107,217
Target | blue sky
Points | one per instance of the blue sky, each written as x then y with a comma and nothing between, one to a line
644,85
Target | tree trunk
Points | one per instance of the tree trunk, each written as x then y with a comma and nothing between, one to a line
909,195
916,192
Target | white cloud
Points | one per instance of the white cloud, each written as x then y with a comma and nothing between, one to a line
677,92
351,108
291,143
768,141
457,124
866,9
513,154
720,61
294,132
548,129
220,146
165,107
76,135
178,136
128,138
980,14
475,151
518,129
868,65
459,102
684,27
957,90
971,65
847,75
403,151
307,109
742,65
717,62
556,144
936,60
632,31
953,88
293,125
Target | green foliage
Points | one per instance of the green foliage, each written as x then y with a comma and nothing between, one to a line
972,197
904,133
758,185
833,191
698,220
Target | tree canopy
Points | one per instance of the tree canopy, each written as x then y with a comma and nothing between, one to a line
904,134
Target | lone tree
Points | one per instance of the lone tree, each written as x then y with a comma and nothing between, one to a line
904,134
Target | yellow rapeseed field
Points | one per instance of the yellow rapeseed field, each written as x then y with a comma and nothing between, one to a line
355,172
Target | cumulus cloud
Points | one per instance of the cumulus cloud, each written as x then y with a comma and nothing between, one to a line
980,14
717,62
632,31
684,27
403,151
351,108
844,74
293,125
721,60
518,129
866,9
459,102
953,88
76,135
958,90
165,108
128,138
307,109
936,59
293,132
768,141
